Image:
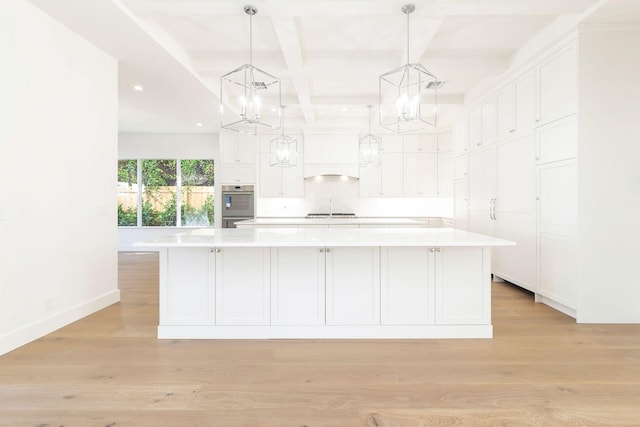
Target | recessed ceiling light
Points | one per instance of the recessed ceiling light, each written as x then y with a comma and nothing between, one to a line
199,124
138,88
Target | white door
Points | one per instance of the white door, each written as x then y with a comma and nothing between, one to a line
188,295
506,112
297,286
270,177
242,286
460,204
461,135
526,105
475,128
391,178
463,295
557,225
558,77
353,286
515,211
407,286
369,182
482,191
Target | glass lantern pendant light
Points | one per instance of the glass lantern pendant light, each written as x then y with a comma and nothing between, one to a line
406,94
247,94
283,149
370,147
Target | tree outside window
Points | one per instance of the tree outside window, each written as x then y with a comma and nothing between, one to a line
196,194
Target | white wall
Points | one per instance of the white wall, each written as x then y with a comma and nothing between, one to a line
609,174
163,146
58,147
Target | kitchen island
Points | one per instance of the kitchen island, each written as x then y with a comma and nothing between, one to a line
325,283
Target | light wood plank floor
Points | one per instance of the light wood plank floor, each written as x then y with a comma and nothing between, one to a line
541,369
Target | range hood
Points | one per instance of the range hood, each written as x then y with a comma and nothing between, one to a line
350,170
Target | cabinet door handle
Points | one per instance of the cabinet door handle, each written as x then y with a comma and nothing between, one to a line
432,250
438,249
328,249
321,250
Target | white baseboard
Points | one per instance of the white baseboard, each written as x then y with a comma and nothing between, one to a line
40,328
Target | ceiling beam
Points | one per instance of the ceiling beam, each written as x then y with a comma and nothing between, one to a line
289,41
358,8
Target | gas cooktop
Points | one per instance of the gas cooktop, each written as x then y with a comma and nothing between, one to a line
324,215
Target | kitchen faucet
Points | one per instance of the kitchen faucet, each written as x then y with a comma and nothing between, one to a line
330,206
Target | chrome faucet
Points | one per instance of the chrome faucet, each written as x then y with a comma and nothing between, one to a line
330,206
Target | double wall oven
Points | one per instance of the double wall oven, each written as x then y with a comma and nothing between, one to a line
237,204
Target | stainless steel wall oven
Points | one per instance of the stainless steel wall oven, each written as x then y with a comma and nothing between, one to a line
237,204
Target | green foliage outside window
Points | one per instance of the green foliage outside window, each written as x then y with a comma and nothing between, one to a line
159,184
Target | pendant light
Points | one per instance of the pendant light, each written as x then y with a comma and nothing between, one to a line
283,149
248,94
405,94
370,147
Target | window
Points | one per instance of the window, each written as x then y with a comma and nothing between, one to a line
127,192
196,195
159,193
172,193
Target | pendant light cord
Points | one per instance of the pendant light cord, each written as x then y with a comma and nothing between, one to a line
408,61
251,39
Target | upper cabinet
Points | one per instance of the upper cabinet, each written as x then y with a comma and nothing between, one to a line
516,107
461,135
421,143
238,158
558,77
482,124
237,148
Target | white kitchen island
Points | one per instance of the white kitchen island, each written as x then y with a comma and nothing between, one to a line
325,283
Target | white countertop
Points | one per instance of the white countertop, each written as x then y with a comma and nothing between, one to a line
314,237
329,221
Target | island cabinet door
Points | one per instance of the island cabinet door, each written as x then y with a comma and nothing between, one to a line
407,286
297,286
463,280
353,286
187,286
242,286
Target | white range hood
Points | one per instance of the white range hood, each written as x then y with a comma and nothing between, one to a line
350,170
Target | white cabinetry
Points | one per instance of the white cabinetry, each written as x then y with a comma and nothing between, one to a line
238,158
445,164
515,212
516,107
461,204
353,286
463,295
187,297
482,125
502,204
482,190
558,80
297,286
277,181
557,219
385,180
407,286
421,165
242,294
461,135
421,174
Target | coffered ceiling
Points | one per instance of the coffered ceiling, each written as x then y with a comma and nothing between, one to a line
328,53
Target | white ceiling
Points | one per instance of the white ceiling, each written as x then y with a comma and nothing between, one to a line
328,53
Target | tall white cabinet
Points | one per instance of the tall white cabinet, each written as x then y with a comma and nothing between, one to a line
515,176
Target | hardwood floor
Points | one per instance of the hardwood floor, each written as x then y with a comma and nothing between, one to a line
540,369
